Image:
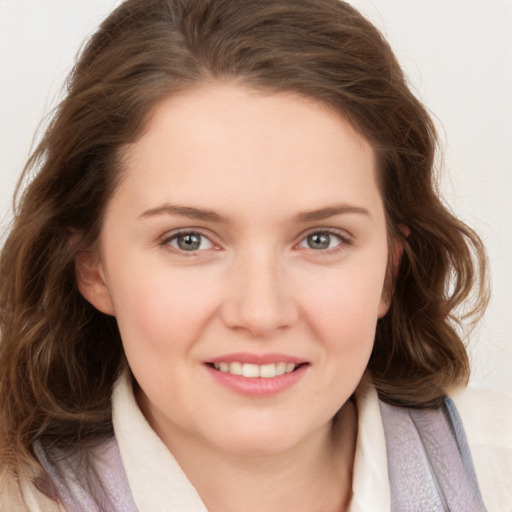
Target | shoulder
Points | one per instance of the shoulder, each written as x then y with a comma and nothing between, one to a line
23,496
486,416
487,419
18,492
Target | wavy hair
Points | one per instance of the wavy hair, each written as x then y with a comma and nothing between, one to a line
59,356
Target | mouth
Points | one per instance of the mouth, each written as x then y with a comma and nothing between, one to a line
257,375
252,371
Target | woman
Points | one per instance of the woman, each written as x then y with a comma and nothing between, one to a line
231,285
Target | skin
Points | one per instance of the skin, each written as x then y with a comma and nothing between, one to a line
261,163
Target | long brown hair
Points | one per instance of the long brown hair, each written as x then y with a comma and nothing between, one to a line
59,356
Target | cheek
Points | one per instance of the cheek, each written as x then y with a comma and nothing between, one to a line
160,327
162,313
344,312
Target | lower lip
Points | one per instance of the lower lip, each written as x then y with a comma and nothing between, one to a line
258,386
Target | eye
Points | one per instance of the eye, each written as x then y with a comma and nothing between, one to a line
322,241
189,241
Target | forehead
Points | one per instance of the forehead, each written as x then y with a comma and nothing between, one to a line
270,149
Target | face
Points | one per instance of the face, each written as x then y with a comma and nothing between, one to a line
244,255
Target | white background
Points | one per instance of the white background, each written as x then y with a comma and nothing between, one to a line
456,53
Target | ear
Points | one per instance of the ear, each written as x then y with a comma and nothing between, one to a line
392,272
91,281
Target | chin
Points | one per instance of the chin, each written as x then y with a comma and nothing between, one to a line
263,440
257,445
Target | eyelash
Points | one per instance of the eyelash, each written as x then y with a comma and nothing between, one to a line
166,242
345,241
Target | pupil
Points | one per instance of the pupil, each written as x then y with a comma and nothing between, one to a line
319,241
189,242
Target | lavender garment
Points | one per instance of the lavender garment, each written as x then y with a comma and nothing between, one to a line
429,463
104,489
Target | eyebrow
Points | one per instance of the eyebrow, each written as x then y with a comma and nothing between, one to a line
329,211
185,211
212,216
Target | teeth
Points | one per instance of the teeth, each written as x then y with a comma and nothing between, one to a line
250,370
236,369
280,368
289,368
266,371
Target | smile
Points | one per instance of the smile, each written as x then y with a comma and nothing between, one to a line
266,371
257,375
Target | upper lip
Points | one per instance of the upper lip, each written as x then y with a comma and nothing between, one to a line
259,359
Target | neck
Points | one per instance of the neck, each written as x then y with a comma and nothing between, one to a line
317,475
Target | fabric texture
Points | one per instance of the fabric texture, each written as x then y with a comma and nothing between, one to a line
429,462
104,490
153,481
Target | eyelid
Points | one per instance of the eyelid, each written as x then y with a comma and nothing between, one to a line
171,235
344,236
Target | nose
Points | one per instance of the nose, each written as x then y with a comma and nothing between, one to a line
259,299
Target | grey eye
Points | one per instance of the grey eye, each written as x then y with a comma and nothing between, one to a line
190,242
321,240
